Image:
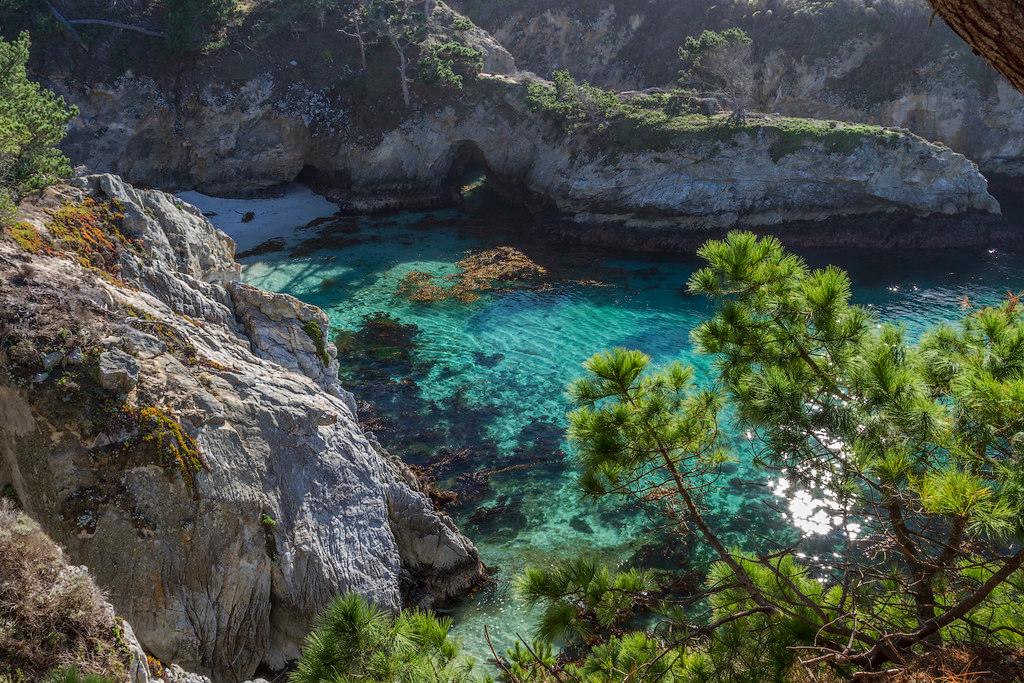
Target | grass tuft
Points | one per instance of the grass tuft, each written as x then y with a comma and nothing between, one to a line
53,616
314,332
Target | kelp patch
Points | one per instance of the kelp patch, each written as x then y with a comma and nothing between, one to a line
492,269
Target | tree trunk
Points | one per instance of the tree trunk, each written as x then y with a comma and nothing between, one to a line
924,605
362,51
739,112
358,35
362,46
117,24
993,28
403,68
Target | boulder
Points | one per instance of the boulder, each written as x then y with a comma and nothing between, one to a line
118,371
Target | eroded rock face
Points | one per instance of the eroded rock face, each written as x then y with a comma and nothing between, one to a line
224,493
690,184
886,62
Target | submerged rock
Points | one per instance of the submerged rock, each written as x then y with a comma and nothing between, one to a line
235,413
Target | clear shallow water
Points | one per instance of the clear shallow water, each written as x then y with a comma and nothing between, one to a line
489,377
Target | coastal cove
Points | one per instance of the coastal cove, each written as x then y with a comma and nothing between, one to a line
454,341
472,392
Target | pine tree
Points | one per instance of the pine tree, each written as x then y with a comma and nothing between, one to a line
33,121
354,640
919,445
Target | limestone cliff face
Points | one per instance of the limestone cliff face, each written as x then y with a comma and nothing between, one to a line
887,62
243,141
185,436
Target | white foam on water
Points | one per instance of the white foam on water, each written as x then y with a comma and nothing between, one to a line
274,216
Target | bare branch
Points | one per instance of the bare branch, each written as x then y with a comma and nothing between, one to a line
117,24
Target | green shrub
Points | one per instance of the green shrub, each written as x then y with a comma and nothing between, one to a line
449,63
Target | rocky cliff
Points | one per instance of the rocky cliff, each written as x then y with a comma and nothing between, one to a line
695,181
237,122
886,62
691,181
185,436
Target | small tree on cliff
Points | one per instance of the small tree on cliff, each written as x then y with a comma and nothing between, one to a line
401,24
33,121
718,62
354,640
357,27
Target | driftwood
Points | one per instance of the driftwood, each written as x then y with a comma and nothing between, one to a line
993,28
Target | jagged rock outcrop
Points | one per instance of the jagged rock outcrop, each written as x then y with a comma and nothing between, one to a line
886,62
186,437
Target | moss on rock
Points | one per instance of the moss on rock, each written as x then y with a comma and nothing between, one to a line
315,332
168,445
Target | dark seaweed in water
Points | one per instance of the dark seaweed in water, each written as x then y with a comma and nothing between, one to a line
504,519
381,347
447,442
268,247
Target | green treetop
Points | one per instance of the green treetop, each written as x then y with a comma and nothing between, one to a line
33,121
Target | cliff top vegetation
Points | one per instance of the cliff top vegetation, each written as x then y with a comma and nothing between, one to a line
655,120
52,615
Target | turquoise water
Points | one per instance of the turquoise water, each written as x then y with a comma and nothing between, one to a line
482,386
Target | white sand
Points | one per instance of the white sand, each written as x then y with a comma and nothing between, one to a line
275,216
